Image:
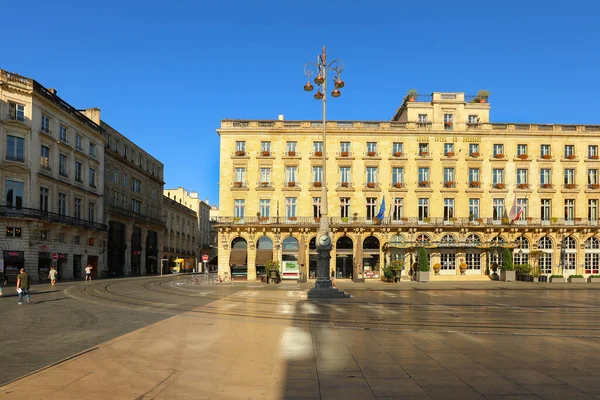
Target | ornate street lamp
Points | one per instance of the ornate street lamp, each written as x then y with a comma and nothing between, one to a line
320,69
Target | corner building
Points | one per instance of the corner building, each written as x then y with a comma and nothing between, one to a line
454,182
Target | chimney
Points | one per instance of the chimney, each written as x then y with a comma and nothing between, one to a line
53,91
280,117
93,114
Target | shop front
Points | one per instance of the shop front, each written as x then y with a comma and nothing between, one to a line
370,260
238,259
344,264
312,258
264,253
290,268
13,262
44,264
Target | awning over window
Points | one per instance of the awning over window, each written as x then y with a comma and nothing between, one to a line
263,255
237,257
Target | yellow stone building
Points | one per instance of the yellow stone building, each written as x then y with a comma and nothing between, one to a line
452,181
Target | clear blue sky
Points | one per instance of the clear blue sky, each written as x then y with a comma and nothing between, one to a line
166,73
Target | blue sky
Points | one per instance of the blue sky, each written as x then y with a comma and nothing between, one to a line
166,73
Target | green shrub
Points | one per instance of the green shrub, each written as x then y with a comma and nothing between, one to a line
423,260
575,276
523,269
507,261
556,276
594,276
388,273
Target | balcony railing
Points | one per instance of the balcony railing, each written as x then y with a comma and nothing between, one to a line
413,221
7,211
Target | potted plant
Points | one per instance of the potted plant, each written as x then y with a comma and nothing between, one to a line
450,154
576,279
523,185
344,154
265,153
475,154
423,265
397,266
388,274
291,153
264,184
463,268
594,278
344,184
398,154
499,155
448,123
436,268
571,157
292,218
424,183
427,220
372,153
317,184
411,95
554,220
449,184
594,157
523,156
424,153
291,184
271,265
318,153
547,185
555,278
376,221
237,184
398,185
317,219
371,185
500,185
571,186
474,184
345,220
547,156
507,269
482,95
240,153
479,220
594,186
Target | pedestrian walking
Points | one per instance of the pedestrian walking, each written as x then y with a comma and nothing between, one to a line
88,272
52,275
23,284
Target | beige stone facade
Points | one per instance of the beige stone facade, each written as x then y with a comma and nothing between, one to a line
452,180
180,235
52,180
134,207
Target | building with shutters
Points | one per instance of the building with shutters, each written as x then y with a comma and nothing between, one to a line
180,236
453,182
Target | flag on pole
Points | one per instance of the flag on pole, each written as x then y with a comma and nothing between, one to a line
381,209
520,208
512,214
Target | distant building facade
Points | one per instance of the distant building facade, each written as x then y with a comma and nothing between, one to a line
180,236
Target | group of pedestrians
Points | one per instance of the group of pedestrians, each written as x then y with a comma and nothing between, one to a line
24,281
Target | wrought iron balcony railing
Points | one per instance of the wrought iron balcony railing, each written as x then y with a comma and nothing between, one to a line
13,212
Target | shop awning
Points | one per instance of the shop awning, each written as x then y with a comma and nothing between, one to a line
263,255
238,257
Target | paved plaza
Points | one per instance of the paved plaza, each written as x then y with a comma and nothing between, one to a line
162,338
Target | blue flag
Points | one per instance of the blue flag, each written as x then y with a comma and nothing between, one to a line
382,209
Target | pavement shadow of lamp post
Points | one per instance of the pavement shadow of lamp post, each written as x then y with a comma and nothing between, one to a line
323,286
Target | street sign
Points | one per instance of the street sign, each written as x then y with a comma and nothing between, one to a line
205,257
55,256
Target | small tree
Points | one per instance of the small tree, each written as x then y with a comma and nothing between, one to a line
269,265
423,260
507,260
396,266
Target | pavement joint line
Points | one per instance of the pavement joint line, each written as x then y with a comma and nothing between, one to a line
54,364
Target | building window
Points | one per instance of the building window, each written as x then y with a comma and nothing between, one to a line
546,209
62,204
91,211
44,199
449,177
317,147
136,206
569,210
398,208
78,143
473,261
423,176
371,207
448,261
316,201
345,174
448,209
317,174
522,176
448,121
498,150
43,235
291,174
448,148
45,124
422,118
15,148
345,147
545,150
593,151
265,208
372,147
569,176
290,207
76,239
497,176
474,150
45,157
78,172
265,175
77,209
63,134
569,151
592,176
124,180
291,147
371,175
93,149
13,231
239,206
397,148
397,175
473,119
240,146
423,209
593,211
16,111
473,209
62,165
474,175
14,194
521,150
265,147
498,209
92,178
423,149
522,209
545,176
136,185
116,176
344,207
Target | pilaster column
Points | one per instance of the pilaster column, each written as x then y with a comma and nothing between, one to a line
144,233
127,266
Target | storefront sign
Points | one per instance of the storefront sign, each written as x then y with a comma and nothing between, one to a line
14,255
290,270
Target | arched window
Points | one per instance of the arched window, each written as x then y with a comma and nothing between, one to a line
570,243
423,239
592,255
545,259
397,240
545,243
290,243
264,243
498,240
473,239
570,260
592,243
448,239
344,243
312,244
371,243
522,242
239,243
521,252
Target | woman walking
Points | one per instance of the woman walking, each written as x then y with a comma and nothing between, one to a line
52,276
